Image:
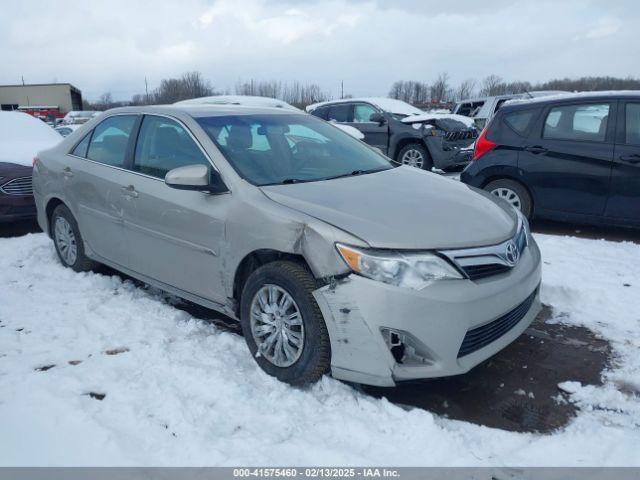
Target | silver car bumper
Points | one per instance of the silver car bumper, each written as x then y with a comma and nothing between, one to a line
430,324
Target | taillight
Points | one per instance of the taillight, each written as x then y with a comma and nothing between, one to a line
483,145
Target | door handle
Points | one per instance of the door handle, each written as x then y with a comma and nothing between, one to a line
66,171
633,158
130,191
536,149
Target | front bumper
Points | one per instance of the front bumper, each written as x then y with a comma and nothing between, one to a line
16,208
435,320
447,154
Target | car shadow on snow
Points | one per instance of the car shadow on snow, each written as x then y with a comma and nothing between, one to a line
612,234
18,229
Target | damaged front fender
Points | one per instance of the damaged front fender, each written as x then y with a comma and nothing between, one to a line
358,353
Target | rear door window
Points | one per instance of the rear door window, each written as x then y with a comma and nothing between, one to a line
110,140
577,122
339,112
632,123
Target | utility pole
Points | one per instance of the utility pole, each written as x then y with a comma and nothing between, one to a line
341,88
146,91
22,79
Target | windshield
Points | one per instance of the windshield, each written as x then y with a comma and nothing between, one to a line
282,148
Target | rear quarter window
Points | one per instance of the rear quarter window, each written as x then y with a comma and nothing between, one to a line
519,121
81,148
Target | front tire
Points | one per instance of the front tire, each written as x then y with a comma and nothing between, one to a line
68,241
415,155
513,193
282,323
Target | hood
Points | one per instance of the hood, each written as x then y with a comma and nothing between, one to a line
403,208
450,121
23,136
12,170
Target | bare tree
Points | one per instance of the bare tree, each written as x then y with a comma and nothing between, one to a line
492,85
466,89
440,90
295,93
190,85
410,91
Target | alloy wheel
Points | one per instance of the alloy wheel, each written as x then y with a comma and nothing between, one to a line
413,158
65,240
509,195
276,326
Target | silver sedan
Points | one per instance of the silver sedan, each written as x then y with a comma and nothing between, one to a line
333,259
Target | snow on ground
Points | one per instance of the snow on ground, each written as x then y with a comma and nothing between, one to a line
183,392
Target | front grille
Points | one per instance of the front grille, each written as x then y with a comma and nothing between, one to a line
464,135
477,272
21,186
480,337
482,262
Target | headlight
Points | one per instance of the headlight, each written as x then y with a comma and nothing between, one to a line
410,270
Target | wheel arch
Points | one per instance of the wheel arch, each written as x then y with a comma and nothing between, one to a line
399,143
503,176
256,259
51,205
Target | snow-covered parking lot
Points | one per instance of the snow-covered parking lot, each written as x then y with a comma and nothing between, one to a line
95,370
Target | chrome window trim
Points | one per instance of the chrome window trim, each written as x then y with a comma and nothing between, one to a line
493,254
180,122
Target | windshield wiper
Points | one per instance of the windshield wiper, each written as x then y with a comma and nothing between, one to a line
288,181
357,172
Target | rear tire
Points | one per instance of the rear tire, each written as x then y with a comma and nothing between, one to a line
513,193
304,347
415,155
68,241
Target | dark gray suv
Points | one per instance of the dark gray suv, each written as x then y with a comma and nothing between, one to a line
404,133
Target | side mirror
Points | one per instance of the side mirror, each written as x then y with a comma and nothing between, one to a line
195,177
377,118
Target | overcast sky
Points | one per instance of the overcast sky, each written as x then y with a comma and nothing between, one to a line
110,46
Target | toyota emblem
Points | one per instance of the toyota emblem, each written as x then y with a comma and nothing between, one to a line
511,254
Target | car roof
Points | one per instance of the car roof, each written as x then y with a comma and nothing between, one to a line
384,103
534,93
520,103
205,110
247,100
